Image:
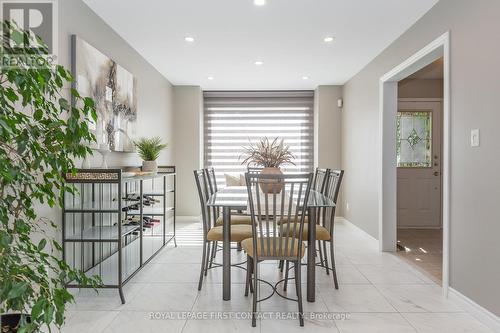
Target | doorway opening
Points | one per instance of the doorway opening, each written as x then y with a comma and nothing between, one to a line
418,157
422,113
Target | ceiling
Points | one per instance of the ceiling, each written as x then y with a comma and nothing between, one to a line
286,35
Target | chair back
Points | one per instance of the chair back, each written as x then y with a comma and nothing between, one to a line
202,186
212,182
320,178
332,189
333,183
254,169
273,198
212,188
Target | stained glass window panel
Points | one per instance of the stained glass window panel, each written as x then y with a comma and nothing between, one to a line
414,139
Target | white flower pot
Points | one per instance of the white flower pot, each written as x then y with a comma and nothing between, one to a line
149,166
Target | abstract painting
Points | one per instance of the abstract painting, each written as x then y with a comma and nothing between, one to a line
113,90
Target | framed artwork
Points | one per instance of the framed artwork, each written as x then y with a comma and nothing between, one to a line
114,91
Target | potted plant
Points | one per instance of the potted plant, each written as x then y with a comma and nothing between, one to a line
271,155
40,135
149,150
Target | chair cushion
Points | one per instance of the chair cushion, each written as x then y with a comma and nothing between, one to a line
285,219
247,245
235,219
321,232
239,232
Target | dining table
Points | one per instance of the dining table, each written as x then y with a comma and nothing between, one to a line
235,198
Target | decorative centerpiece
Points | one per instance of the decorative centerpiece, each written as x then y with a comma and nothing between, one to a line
149,150
271,155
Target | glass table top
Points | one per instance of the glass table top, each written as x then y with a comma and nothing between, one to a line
236,197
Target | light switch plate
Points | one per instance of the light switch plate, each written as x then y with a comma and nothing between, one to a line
474,138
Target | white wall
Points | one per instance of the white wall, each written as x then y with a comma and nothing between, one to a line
188,120
155,113
475,186
328,130
328,119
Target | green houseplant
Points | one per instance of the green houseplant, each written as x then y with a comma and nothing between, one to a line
271,155
149,150
40,135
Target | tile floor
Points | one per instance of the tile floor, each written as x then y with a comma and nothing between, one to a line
378,293
423,248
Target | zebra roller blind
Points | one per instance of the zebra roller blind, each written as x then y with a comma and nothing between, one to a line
232,119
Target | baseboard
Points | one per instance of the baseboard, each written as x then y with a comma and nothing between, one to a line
477,311
343,219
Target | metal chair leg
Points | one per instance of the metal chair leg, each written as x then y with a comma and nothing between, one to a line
280,265
318,246
207,258
285,284
251,274
298,289
213,254
334,270
202,269
248,279
255,293
122,297
326,257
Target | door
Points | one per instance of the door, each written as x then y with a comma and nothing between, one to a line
419,164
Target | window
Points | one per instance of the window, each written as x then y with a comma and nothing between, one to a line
414,139
232,119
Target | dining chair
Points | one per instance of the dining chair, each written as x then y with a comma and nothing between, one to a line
272,198
332,190
211,179
212,233
318,184
213,188
237,218
254,169
325,222
320,178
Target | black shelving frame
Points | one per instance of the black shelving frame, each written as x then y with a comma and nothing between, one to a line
109,193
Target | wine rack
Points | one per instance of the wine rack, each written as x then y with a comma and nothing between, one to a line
115,222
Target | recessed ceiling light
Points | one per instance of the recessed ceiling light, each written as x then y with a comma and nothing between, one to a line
259,63
210,78
305,78
259,2
189,39
328,39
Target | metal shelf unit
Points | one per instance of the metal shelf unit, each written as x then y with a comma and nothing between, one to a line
113,225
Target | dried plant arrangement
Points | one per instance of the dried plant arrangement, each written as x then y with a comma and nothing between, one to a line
268,154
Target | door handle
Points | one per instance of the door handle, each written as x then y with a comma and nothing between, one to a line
436,173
